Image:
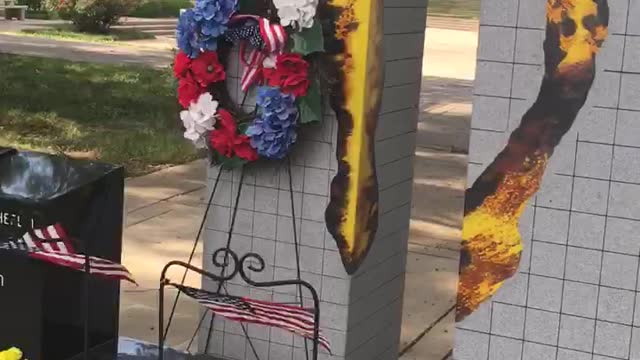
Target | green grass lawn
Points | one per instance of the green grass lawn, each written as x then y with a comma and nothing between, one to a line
455,8
66,32
119,114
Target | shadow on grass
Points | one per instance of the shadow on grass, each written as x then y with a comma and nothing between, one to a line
121,114
66,32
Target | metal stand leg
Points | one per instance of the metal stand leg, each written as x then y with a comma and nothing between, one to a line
161,320
87,275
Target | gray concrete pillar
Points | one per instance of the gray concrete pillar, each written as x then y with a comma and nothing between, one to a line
360,313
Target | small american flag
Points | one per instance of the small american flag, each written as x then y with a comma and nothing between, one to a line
295,319
52,245
265,38
52,239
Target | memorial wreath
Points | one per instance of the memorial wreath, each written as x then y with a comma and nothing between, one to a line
276,41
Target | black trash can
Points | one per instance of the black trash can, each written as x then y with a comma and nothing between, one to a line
41,305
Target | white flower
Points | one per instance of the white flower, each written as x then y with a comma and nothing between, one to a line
296,12
199,118
269,61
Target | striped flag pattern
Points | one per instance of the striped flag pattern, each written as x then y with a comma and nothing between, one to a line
294,319
274,38
52,245
97,266
52,238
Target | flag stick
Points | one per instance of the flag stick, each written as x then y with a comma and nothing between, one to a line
87,273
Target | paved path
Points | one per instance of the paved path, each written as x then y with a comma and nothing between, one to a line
448,53
155,52
438,193
163,210
84,51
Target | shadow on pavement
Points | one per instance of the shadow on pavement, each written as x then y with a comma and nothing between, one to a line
436,219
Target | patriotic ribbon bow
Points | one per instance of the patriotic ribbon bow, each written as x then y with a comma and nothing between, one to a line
52,244
272,36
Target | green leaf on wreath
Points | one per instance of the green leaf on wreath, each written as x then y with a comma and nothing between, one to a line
242,127
225,162
310,106
232,163
308,40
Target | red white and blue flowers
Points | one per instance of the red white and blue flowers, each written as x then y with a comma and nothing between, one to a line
271,63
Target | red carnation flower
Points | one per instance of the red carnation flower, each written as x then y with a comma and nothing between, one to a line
188,91
226,140
181,64
291,74
207,69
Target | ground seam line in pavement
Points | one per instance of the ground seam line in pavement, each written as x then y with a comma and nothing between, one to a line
426,331
443,149
148,218
166,199
432,255
448,355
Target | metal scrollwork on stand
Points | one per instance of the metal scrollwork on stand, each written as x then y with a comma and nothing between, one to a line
232,266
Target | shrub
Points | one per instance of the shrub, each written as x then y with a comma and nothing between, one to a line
95,16
34,5
161,8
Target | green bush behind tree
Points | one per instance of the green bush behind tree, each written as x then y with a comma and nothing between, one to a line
94,16
160,8
34,5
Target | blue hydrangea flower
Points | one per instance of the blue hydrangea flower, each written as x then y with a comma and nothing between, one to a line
273,132
187,34
213,17
199,28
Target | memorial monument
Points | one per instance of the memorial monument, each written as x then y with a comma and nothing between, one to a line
43,306
549,264
321,192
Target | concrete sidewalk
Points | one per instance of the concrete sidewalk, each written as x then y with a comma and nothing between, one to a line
85,51
153,52
449,52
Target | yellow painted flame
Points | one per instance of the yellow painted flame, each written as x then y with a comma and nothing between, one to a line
360,28
491,241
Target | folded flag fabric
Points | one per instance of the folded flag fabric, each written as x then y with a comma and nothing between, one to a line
52,238
51,244
294,319
97,266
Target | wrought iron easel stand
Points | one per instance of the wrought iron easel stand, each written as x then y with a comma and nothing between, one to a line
236,266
